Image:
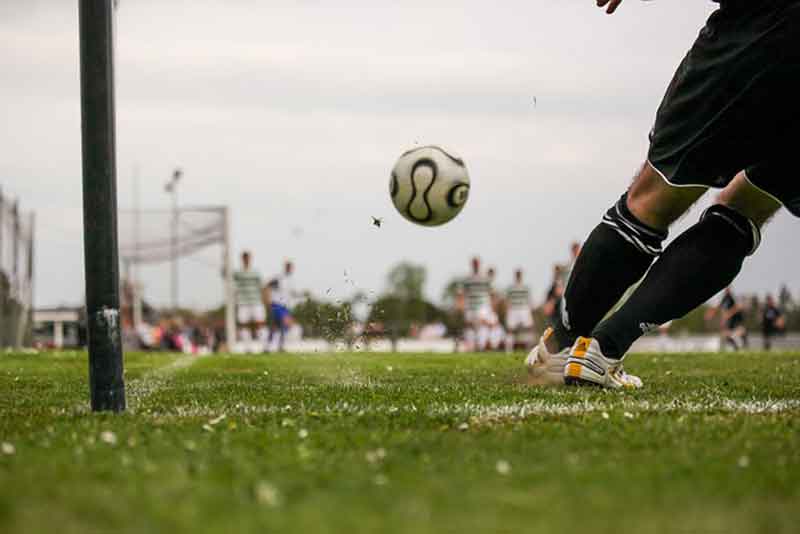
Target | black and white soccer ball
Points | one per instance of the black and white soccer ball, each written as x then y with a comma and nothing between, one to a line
429,185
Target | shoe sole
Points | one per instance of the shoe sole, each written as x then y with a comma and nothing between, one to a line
580,382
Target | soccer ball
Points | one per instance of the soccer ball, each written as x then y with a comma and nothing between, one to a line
429,185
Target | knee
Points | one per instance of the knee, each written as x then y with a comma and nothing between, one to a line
743,225
642,236
657,203
743,197
640,195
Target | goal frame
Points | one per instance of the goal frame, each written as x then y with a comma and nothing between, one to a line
133,256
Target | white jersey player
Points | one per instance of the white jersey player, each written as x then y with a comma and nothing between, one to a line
250,313
283,296
477,292
519,317
519,313
497,333
478,312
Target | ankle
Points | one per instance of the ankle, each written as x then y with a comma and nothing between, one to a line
607,346
552,345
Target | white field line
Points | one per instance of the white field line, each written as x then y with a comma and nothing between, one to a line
142,388
491,412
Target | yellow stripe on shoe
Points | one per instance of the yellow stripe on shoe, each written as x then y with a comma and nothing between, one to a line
574,370
580,348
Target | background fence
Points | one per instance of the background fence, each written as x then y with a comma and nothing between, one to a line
16,273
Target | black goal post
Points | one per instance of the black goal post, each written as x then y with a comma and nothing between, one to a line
100,205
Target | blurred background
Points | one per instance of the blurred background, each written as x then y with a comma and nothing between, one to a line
272,127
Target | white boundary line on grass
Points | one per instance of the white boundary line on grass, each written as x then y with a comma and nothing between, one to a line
140,389
494,412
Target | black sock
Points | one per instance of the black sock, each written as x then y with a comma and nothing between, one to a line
614,257
698,264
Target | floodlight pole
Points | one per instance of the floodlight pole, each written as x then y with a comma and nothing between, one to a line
2,209
101,255
230,310
172,189
137,301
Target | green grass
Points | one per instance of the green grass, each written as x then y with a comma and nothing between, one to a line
400,443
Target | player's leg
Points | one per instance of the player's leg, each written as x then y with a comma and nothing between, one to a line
256,327
619,251
745,337
285,323
519,325
731,105
511,341
261,333
526,337
700,263
243,337
469,337
482,337
728,107
243,333
271,328
730,339
251,321
470,333
482,328
727,339
496,331
512,329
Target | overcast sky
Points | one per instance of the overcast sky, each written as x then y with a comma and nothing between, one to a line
293,112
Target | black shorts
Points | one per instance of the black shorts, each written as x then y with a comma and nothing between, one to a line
734,103
735,321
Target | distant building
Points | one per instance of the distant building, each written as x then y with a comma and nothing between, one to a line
60,327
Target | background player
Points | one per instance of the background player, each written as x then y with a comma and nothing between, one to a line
519,315
497,333
282,296
250,312
552,302
476,300
772,322
733,330
729,119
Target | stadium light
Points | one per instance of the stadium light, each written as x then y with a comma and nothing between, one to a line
101,255
171,187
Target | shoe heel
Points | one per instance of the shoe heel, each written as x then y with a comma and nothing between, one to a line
579,382
572,381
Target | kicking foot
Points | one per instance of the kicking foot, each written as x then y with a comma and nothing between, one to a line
544,368
587,365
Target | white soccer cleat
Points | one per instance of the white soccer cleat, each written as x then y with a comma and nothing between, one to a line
544,368
586,365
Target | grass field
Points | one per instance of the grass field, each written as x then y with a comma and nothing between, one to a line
399,443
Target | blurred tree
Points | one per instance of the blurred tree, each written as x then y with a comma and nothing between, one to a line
407,281
793,320
397,315
695,322
330,321
450,291
404,304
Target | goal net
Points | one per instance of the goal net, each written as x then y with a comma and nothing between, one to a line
16,273
175,239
